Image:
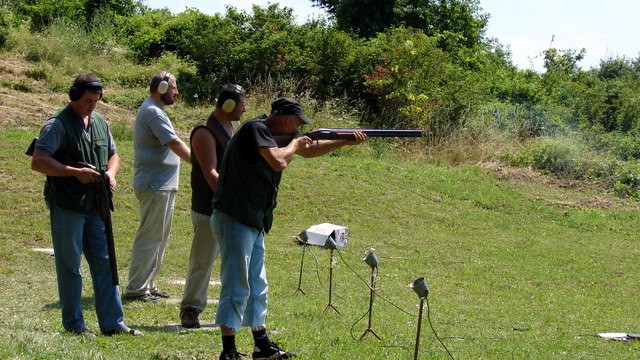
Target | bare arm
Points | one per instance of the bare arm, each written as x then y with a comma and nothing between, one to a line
181,149
280,157
44,163
204,149
322,147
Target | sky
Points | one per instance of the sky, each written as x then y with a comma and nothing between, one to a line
605,29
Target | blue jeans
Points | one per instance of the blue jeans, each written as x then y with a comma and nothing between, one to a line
243,294
74,233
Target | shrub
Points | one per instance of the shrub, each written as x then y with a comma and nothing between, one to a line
5,25
627,183
562,157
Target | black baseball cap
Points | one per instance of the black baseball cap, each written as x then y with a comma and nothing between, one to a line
287,106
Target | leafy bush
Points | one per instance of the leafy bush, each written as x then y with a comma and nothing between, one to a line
562,157
520,121
627,182
5,25
623,146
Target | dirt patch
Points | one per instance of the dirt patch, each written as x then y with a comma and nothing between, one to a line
584,194
26,103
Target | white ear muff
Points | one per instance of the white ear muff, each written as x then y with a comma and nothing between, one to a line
163,87
228,105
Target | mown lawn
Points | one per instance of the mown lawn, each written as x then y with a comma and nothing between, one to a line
517,270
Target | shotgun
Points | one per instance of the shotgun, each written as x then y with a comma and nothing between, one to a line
105,207
347,134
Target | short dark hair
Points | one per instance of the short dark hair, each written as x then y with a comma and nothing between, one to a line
85,82
231,91
157,79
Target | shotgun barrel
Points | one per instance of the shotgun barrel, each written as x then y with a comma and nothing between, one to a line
346,133
105,207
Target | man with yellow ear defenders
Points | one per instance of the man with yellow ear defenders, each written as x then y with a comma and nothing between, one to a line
157,154
208,143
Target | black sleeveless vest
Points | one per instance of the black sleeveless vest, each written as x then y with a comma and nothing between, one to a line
201,193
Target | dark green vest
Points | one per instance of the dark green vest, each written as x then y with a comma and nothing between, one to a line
247,190
68,192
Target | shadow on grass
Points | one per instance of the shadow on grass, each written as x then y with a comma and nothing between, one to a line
174,328
87,304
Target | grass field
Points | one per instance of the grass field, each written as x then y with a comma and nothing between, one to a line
518,268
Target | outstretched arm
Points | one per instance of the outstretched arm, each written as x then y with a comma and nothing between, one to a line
322,147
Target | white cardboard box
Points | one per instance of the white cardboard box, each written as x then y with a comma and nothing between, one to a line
318,234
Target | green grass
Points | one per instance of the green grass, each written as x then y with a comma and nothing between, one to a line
516,270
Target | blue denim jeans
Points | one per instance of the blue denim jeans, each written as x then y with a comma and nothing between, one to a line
74,233
243,294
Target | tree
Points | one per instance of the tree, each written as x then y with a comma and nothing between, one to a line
41,13
455,21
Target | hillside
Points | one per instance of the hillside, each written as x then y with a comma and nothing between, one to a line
26,102
520,265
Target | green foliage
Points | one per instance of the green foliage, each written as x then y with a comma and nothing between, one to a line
627,182
42,13
446,79
517,87
521,121
456,23
142,33
6,23
338,64
623,146
415,84
559,156
562,61
37,73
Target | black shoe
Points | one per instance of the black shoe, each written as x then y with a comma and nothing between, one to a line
230,355
160,294
189,318
144,298
123,330
271,353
